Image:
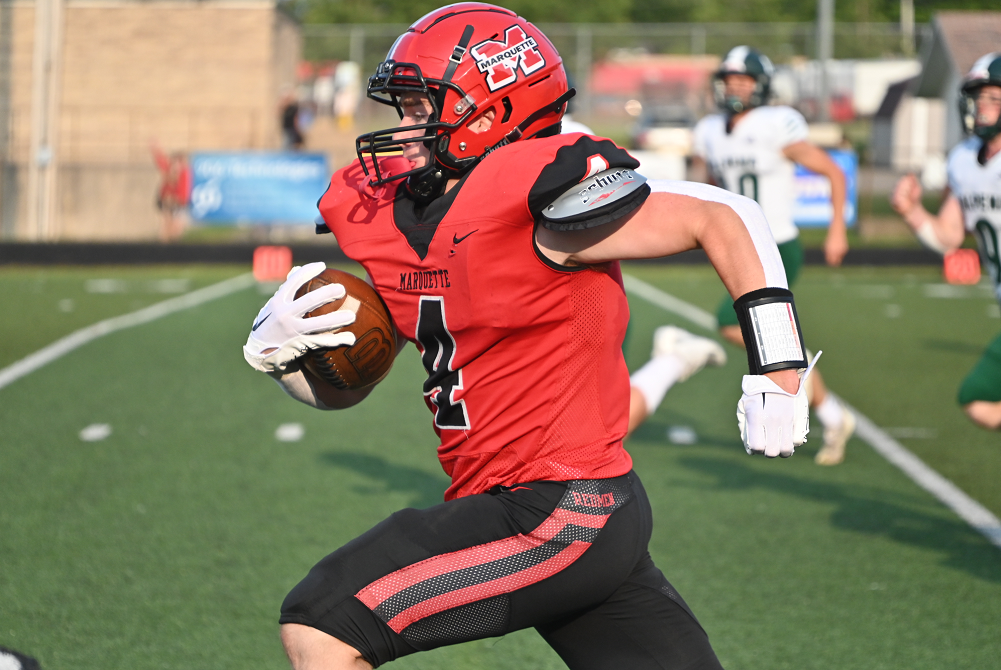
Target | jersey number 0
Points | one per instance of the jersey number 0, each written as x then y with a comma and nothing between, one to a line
438,355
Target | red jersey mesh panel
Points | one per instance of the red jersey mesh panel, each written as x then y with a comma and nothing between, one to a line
576,441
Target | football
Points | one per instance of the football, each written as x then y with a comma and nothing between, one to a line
368,361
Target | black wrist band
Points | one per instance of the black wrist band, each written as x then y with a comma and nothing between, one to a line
770,326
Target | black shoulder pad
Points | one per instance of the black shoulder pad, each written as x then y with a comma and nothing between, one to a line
585,158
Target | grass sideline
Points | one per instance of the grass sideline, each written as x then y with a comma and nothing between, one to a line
172,542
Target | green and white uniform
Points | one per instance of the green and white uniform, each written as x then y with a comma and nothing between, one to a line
749,161
978,189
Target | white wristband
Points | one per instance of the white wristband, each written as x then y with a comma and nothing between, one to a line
926,233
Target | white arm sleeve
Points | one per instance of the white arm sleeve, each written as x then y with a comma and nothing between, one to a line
294,382
748,211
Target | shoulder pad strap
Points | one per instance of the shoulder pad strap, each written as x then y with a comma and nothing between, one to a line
597,200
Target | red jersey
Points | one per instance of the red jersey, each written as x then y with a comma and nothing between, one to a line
526,377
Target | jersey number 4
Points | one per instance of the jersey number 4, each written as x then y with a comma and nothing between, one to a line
438,355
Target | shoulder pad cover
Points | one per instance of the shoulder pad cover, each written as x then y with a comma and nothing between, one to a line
600,199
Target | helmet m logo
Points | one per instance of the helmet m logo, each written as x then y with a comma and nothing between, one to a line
500,61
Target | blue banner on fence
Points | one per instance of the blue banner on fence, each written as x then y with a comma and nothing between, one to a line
812,207
257,187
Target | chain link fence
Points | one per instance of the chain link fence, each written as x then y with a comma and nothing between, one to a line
582,45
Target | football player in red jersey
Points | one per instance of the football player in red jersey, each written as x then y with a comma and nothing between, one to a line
495,242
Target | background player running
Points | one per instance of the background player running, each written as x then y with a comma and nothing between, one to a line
972,203
677,354
750,148
545,525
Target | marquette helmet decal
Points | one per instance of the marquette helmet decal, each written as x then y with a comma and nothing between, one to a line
500,61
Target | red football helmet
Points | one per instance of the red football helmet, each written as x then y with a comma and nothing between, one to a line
467,58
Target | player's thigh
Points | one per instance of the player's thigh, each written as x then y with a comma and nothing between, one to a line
644,625
984,380
475,567
327,598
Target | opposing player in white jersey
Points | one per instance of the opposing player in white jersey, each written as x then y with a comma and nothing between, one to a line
972,204
751,148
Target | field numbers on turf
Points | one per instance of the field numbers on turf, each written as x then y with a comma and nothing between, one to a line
95,432
438,356
290,432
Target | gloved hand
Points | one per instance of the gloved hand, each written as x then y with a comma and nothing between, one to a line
281,334
773,421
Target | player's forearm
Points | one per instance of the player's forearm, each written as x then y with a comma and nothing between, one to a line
727,242
943,232
308,389
838,192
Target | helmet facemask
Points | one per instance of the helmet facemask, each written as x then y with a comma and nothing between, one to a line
732,104
743,60
391,84
968,114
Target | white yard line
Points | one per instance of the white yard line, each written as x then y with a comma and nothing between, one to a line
969,510
63,346
666,301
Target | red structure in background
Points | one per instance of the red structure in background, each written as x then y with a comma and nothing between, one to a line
631,77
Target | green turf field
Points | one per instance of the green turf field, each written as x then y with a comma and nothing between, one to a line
171,543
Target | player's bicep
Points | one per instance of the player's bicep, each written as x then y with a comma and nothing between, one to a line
812,158
664,225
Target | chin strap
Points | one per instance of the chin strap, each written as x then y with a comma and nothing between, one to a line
429,185
519,130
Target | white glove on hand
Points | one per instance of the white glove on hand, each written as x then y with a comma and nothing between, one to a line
281,334
772,421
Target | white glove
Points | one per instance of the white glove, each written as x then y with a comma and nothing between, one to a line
772,421
281,334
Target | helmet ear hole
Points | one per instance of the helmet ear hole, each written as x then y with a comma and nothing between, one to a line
483,121
507,109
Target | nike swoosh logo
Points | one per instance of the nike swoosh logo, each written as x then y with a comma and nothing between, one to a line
456,239
258,324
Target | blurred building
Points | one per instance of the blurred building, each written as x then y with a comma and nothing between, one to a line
113,75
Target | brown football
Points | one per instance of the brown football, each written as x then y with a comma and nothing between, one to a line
370,358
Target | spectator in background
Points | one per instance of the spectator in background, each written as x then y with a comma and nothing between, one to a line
347,93
174,193
323,91
292,139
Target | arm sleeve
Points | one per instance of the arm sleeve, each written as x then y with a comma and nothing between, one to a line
748,211
573,163
790,127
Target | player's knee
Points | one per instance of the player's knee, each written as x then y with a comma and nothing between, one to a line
985,414
308,649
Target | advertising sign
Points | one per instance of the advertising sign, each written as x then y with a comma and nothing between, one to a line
812,207
257,187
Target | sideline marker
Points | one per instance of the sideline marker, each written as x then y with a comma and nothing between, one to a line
961,266
272,263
